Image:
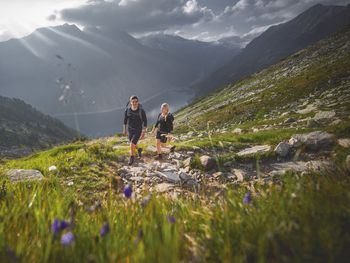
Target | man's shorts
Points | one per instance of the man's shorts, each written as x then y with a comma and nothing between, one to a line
163,139
134,136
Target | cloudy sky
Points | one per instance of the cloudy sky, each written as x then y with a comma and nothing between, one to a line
198,19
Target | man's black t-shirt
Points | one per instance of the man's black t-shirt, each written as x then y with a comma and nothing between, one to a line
135,119
165,123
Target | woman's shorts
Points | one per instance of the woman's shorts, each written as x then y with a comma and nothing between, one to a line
163,139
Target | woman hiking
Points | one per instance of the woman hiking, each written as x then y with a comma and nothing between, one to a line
163,129
136,121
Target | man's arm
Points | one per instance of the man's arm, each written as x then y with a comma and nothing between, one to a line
125,122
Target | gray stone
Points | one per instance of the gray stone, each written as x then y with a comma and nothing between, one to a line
311,123
192,133
309,108
169,176
163,187
151,148
208,162
324,115
196,148
228,164
187,162
237,131
344,142
300,167
290,120
240,174
136,179
347,162
217,174
313,141
282,149
254,150
17,175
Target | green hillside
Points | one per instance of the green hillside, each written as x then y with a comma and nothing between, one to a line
260,174
23,129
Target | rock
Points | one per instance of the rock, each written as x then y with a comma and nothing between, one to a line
311,123
192,134
190,153
170,176
237,131
196,148
17,175
335,122
136,179
184,176
240,174
344,142
347,162
228,164
187,162
208,162
300,167
324,115
309,108
151,148
254,150
313,141
290,120
217,174
164,187
282,168
52,168
282,149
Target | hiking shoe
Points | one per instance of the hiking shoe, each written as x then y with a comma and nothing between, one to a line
159,157
139,152
132,159
172,148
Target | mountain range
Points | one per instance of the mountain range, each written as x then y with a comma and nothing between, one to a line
277,42
85,77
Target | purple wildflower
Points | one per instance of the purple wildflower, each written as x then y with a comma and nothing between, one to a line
171,219
63,225
145,201
247,198
67,239
55,227
104,229
128,191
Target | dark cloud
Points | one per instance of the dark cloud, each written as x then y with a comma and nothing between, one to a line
203,19
138,15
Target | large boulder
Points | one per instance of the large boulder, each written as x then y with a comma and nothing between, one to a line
313,141
255,150
17,175
324,115
283,149
208,162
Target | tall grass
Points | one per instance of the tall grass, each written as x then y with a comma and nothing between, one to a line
301,219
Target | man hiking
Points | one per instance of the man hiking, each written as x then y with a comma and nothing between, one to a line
136,120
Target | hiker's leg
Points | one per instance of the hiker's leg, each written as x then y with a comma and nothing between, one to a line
132,149
158,144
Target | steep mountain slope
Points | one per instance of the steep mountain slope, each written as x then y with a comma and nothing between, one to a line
314,79
278,42
24,129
